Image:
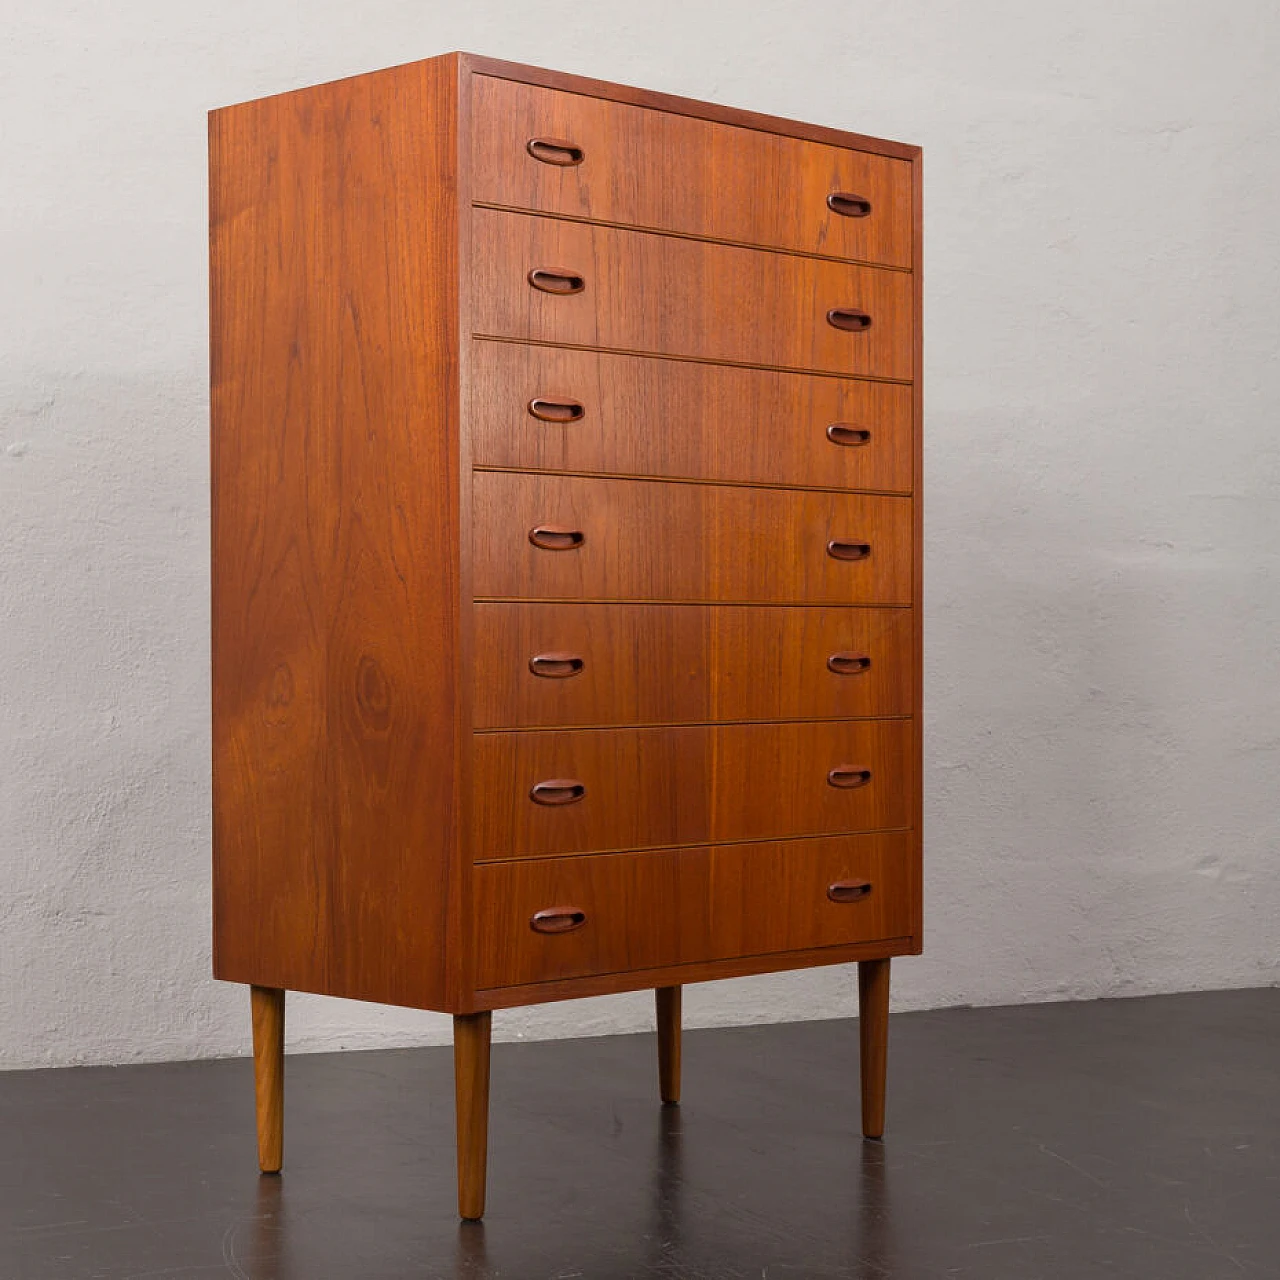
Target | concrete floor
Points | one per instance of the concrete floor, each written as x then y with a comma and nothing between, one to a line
1134,1138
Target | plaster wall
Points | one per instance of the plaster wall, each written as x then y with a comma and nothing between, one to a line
1103,469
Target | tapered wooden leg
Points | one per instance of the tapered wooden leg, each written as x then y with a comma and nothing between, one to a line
471,1090
873,1037
268,1074
667,1000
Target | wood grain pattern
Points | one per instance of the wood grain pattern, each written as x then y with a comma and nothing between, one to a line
679,664
267,1005
597,984
343,665
667,295
667,1002
656,169
641,664
335,508
687,785
649,540
686,906
873,1041
471,1041
656,417
479,65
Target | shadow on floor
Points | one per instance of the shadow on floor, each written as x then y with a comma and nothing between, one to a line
1128,1138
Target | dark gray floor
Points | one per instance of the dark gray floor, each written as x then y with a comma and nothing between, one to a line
1134,1138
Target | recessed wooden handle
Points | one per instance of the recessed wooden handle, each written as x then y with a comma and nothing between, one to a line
848,890
556,666
842,433
557,920
546,409
554,537
555,791
560,280
848,664
556,151
850,319
843,549
847,776
848,205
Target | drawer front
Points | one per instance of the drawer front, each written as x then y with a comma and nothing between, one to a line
655,169
685,906
561,409
590,664
634,664
570,537
588,790
671,296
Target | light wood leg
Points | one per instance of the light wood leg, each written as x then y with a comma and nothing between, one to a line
268,1074
667,1000
471,1089
873,1037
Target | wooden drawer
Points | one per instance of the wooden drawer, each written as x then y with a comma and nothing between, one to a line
672,296
635,664
684,906
562,409
648,540
641,788
654,169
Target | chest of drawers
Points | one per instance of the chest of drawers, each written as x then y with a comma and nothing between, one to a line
566,554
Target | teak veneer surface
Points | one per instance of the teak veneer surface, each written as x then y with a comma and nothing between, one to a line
664,294
375,337
688,906
659,417
655,664
644,539
687,785
655,169
336,495
472,66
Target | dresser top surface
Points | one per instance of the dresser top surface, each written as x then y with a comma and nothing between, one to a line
477,64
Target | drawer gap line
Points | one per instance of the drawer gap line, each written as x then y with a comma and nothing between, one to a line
644,229
668,355
523,858
870,944
737,604
896,716
658,479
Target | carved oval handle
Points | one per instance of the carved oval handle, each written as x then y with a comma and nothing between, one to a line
848,776
850,319
547,410
554,537
848,890
843,549
555,151
556,791
848,205
844,434
556,666
848,664
557,920
560,280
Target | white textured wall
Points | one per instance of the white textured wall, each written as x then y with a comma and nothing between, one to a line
1103,188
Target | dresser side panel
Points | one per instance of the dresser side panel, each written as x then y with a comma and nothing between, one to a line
336,581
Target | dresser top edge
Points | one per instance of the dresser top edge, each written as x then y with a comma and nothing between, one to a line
478,64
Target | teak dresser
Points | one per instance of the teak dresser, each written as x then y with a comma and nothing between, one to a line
566,554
